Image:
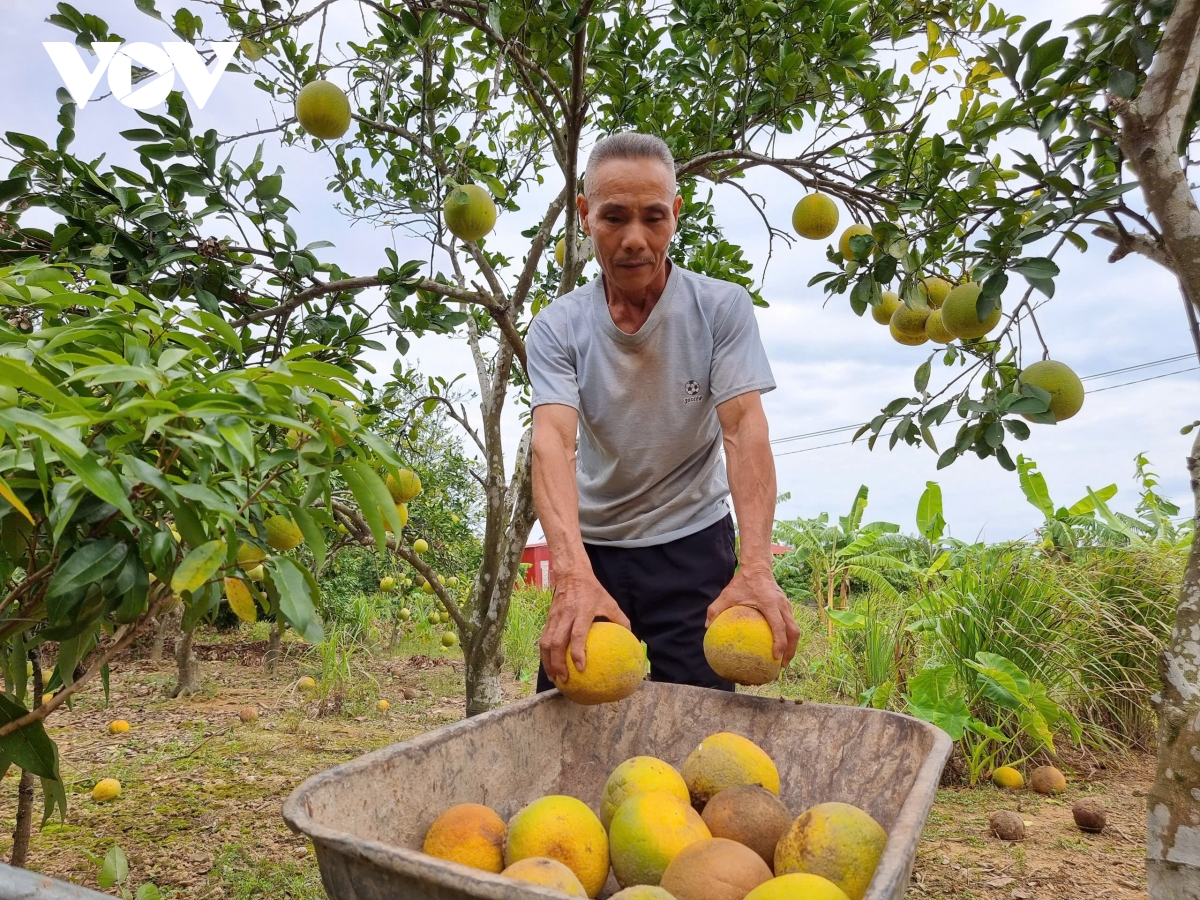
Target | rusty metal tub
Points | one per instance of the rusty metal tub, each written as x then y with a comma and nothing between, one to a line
367,818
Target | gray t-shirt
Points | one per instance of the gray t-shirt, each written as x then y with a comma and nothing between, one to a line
649,461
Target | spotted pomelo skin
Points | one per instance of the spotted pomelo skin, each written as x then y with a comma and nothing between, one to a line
547,873
639,775
283,534
815,217
740,647
715,869
470,212
935,330
910,322
614,666
405,487
1065,389
647,832
469,833
750,815
564,829
797,887
323,110
844,242
723,760
837,841
888,304
960,315
937,289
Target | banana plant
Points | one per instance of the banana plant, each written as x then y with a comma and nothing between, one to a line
1066,528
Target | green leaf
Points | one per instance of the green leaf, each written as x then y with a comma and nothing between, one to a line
54,794
929,512
89,564
921,378
1037,267
200,565
238,433
115,868
368,505
1088,504
29,747
847,618
298,595
314,535
1000,679
147,891
1033,485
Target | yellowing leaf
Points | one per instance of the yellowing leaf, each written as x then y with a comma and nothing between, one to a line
240,600
932,32
198,566
7,494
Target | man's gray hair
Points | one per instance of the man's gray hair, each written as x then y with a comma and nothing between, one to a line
629,145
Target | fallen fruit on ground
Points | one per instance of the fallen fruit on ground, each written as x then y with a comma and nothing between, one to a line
647,832
937,290
639,775
798,887
561,828
740,647
642,892
882,312
470,834
306,683
323,110
106,789
404,486
815,217
420,545
248,714
853,231
470,212
836,841
726,759
383,706
960,315
1009,778
387,584
715,869
118,726
1061,382
1089,815
1007,825
1047,780
547,873
935,329
283,534
750,815
615,665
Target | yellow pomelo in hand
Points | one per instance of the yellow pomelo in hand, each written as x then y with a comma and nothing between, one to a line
936,290
118,726
470,834
1065,388
283,534
798,887
614,667
935,330
647,832
844,243
561,828
405,487
323,110
740,647
106,789
882,313
548,873
639,775
836,841
470,212
723,760
815,217
960,316
1008,778
240,600
715,869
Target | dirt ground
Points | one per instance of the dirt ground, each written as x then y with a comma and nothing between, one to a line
199,813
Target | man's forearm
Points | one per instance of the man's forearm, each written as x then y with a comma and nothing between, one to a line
556,499
751,472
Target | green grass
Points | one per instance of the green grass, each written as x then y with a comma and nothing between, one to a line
243,874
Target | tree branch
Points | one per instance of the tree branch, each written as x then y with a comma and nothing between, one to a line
1127,242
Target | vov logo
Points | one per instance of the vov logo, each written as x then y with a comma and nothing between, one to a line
171,59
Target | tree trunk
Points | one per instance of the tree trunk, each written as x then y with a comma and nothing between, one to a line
274,647
25,790
188,680
160,637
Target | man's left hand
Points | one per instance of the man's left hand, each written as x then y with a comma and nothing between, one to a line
757,588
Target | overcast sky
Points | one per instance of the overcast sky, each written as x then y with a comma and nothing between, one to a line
833,368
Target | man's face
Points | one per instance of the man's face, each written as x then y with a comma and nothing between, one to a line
630,214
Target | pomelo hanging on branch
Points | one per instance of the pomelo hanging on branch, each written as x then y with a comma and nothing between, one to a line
815,217
323,110
470,212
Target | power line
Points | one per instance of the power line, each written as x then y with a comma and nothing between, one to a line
1140,380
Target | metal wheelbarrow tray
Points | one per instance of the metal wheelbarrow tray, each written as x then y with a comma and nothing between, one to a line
367,818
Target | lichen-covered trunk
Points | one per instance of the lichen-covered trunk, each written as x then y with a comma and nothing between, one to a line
274,647
188,678
1173,803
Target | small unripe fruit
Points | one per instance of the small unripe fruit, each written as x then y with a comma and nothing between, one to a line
420,545
449,639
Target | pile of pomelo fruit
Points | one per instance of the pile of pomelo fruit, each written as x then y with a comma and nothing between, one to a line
714,829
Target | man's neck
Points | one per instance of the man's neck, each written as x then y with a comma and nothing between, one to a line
630,311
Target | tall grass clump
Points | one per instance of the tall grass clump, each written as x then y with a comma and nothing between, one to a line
526,618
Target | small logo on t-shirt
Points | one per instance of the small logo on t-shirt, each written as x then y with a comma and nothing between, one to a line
693,391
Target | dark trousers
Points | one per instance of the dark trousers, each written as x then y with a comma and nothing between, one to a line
665,591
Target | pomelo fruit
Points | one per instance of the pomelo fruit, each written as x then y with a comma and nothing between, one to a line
815,217
383,706
935,330
283,534
723,760
427,587
323,110
936,290
647,832
844,242
449,639
836,841
798,887
256,574
750,815
642,892
402,513
250,555
639,775
614,668
306,683
405,486
1007,825
561,828
560,250
1089,815
442,580
420,545
434,618
1047,780
470,212
740,647
240,600
909,322
106,789
959,314
546,872
909,340
387,583
248,714
882,312
118,726
405,614
1063,385
1008,778
715,869
469,834
452,581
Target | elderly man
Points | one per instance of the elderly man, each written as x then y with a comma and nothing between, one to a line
654,369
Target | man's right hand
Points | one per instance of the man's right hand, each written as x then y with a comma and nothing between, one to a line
578,601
